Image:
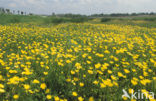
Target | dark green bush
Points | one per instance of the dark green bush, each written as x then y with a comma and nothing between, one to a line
15,19
58,20
79,19
106,19
55,20
150,19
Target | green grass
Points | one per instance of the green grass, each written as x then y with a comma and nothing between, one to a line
7,19
65,55
40,20
58,20
62,49
143,21
147,21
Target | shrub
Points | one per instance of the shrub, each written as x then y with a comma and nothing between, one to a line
79,19
150,19
58,20
15,19
105,19
55,20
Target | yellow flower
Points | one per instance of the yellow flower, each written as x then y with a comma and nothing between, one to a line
91,99
90,71
14,80
141,77
126,71
15,96
151,99
68,79
26,86
125,98
47,91
76,79
48,97
98,65
31,91
133,100
145,73
74,93
47,67
154,78
113,77
120,74
72,72
43,86
56,98
104,66
134,82
81,84
95,82
2,90
1,86
68,61
134,70
109,71
80,98
130,91
36,81
88,62
45,73
106,51
7,68
102,85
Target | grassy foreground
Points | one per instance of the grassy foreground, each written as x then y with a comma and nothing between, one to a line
73,62
6,19
143,21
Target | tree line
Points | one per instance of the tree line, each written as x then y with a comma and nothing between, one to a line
8,11
70,15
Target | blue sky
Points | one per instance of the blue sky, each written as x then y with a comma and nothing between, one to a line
80,6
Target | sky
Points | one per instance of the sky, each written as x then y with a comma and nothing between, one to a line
80,6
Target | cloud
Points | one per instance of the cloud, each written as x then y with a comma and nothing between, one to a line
13,5
81,6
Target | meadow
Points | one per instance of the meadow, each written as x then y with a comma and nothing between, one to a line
87,61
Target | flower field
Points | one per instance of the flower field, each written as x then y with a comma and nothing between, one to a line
76,62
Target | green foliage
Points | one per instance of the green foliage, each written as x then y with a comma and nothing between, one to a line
44,20
58,20
106,19
67,55
54,20
15,19
150,19
9,18
79,19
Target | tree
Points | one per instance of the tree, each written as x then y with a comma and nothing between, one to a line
18,12
53,14
8,11
22,12
13,11
3,10
152,13
30,13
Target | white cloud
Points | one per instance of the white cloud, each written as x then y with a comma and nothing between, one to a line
13,5
20,3
81,6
